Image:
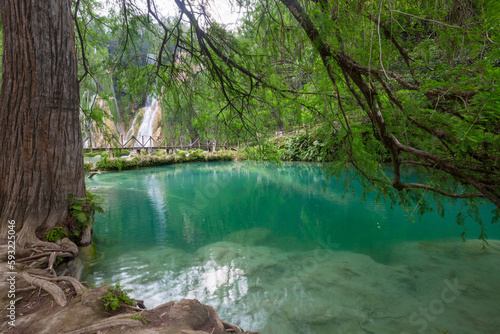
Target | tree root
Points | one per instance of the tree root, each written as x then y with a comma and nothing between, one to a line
79,288
39,272
108,323
28,288
44,244
37,256
130,307
230,328
38,263
55,291
140,303
52,260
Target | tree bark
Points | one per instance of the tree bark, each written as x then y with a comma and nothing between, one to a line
41,159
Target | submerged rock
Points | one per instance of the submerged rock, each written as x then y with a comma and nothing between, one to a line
253,236
327,290
84,311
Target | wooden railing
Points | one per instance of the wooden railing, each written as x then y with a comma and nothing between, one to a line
149,142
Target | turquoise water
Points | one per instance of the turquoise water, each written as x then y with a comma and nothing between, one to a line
280,250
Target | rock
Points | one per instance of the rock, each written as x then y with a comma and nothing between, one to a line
190,314
85,312
88,253
68,246
92,298
252,236
76,268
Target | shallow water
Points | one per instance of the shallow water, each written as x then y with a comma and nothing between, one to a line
278,250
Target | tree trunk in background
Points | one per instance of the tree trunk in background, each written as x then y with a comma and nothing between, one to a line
41,159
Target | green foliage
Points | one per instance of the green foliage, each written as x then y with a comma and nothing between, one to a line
141,318
431,69
306,146
96,153
181,153
119,152
197,155
83,210
58,261
117,164
87,166
56,233
264,151
117,296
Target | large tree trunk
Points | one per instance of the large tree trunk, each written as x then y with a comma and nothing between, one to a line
41,159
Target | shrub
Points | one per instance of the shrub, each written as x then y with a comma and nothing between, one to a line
93,154
140,318
83,210
160,153
88,166
316,145
116,296
53,235
181,153
118,152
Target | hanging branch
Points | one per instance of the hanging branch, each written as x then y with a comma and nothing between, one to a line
354,71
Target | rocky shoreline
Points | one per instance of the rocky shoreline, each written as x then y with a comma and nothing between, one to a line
39,301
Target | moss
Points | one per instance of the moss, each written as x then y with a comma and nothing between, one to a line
119,152
94,154
88,166
111,164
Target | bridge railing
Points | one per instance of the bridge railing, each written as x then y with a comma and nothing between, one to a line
148,142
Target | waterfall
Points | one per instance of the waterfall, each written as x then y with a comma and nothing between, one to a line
130,132
151,108
89,101
146,129
116,105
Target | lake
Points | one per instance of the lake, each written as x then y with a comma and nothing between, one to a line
282,250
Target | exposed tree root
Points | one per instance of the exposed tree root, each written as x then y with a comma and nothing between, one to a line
93,173
37,256
79,288
28,288
55,291
38,263
39,272
108,323
130,307
230,328
45,254
44,244
140,303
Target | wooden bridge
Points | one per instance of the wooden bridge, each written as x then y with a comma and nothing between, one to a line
149,143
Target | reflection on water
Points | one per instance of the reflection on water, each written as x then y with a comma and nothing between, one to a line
274,250
158,199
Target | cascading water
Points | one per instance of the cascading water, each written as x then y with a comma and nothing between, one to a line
130,132
88,101
116,105
146,129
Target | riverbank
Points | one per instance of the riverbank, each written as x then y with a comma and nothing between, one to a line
138,161
37,301
314,145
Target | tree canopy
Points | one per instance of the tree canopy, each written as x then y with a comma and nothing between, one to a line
406,84
410,83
